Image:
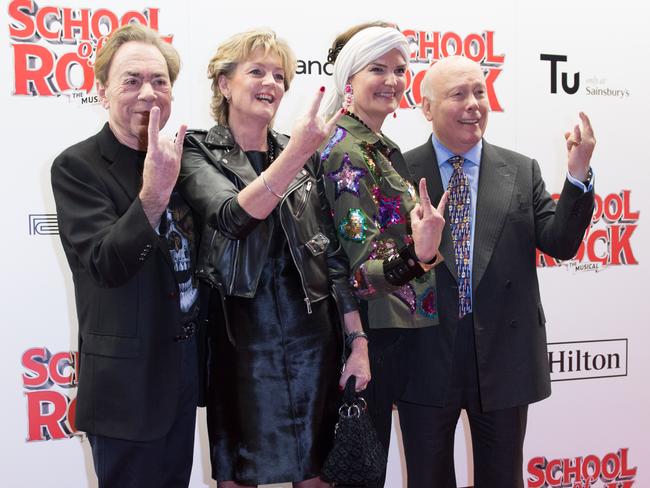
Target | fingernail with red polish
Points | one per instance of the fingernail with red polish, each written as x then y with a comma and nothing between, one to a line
343,111
322,89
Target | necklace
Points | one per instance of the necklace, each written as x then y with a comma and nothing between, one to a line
270,149
358,119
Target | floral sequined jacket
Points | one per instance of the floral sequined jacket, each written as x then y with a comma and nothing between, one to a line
367,185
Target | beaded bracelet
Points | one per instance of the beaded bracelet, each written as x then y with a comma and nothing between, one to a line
266,185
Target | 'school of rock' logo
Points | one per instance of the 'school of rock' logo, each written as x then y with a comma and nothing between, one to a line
427,47
613,470
54,47
48,381
608,240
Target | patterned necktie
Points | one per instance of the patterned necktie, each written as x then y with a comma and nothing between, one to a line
459,214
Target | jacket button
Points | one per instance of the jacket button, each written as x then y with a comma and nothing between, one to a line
508,284
514,323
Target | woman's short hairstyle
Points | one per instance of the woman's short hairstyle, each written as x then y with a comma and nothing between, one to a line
238,49
135,33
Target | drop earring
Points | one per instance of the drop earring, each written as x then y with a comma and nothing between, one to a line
348,97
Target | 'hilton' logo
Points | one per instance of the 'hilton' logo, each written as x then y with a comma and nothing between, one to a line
588,359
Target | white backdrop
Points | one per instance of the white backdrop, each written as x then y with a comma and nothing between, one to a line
595,425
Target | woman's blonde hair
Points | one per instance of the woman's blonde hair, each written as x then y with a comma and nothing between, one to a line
239,48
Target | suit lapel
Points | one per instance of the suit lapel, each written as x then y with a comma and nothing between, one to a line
424,164
125,165
495,187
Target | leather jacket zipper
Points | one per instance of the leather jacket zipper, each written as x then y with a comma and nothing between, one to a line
293,256
233,270
303,203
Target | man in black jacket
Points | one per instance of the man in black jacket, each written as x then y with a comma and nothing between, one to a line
129,240
489,354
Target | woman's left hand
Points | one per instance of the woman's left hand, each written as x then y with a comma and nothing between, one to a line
310,131
358,365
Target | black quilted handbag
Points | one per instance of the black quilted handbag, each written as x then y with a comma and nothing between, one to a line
357,457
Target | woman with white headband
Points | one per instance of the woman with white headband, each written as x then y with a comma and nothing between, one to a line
390,236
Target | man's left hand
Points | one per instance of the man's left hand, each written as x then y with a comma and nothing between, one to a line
580,145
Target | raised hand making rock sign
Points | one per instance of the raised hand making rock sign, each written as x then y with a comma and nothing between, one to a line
161,167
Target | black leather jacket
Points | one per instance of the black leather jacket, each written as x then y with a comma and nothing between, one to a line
234,245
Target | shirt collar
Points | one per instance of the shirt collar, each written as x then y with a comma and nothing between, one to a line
473,156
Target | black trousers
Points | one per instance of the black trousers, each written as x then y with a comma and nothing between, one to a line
388,351
497,442
497,436
161,463
428,431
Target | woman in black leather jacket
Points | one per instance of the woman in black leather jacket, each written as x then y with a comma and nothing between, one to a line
270,253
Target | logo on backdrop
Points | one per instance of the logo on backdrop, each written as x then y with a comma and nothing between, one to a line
608,240
48,383
570,82
43,225
587,359
611,470
54,47
427,47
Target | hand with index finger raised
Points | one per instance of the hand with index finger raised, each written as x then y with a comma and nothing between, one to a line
310,131
580,146
153,129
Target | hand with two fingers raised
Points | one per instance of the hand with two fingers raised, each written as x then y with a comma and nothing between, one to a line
427,223
161,167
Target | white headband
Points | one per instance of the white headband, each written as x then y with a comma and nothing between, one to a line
362,48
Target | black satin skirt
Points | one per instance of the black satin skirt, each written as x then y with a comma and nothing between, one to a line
273,396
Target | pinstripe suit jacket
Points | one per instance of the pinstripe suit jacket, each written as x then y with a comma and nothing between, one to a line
514,216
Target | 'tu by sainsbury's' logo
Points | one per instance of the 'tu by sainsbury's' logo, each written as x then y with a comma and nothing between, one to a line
54,47
569,82
48,380
608,241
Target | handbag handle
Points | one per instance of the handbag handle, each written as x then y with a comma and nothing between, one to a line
349,394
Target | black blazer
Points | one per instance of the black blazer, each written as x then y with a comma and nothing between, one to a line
125,291
514,216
